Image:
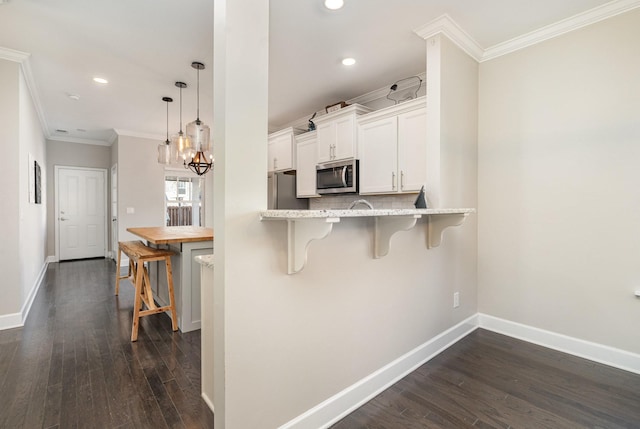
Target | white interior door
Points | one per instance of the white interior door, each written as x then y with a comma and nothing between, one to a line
81,212
114,211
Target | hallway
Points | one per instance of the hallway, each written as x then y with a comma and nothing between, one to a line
72,364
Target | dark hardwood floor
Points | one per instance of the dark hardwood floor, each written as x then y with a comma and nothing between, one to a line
72,364
487,380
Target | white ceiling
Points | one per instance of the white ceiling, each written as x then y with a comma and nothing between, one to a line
143,46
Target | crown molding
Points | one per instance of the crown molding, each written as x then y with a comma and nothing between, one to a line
130,133
559,28
447,26
70,139
13,55
25,66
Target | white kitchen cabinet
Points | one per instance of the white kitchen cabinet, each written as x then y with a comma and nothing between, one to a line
281,150
336,133
306,160
392,149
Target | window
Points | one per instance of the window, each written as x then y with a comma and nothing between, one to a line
183,199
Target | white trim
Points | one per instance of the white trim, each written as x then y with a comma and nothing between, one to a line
10,321
606,355
17,320
447,26
13,55
130,133
559,28
51,259
25,67
338,406
26,307
69,139
207,401
453,31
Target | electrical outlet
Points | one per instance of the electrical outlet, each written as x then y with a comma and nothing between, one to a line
456,299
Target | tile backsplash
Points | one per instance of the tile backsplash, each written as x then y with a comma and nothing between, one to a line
400,201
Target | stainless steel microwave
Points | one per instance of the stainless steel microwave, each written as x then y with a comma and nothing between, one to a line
339,177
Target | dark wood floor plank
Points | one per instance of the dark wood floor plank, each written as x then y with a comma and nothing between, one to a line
487,380
73,365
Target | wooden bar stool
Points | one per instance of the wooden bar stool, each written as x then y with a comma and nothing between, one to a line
138,254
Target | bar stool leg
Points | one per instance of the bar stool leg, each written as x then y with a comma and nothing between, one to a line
137,303
172,303
118,271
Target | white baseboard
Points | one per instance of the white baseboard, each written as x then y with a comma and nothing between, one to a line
26,307
16,320
338,406
585,349
10,321
207,401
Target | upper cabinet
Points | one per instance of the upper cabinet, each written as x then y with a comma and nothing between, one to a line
336,133
392,148
306,160
281,151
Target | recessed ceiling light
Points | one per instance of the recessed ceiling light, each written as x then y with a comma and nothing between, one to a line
348,61
333,4
61,131
82,130
74,97
100,80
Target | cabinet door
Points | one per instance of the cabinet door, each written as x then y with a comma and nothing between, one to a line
326,135
345,129
281,153
412,150
271,156
306,169
378,156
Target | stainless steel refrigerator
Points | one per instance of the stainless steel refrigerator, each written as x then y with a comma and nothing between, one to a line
282,193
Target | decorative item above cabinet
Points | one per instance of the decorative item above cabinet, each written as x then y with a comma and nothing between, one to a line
281,150
337,133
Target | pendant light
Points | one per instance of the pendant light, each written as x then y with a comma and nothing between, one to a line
164,149
199,143
179,142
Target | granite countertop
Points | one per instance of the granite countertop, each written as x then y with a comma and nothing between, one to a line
205,260
309,214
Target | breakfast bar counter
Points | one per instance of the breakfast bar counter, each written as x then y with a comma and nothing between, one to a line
187,242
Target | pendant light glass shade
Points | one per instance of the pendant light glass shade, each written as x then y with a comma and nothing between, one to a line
180,143
199,135
164,149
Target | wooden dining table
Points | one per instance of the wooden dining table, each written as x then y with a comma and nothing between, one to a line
173,234
187,242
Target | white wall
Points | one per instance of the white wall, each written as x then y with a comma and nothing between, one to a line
32,217
11,194
72,155
285,343
140,185
23,227
559,156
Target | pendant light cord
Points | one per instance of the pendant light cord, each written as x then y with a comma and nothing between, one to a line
198,96
180,110
167,122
